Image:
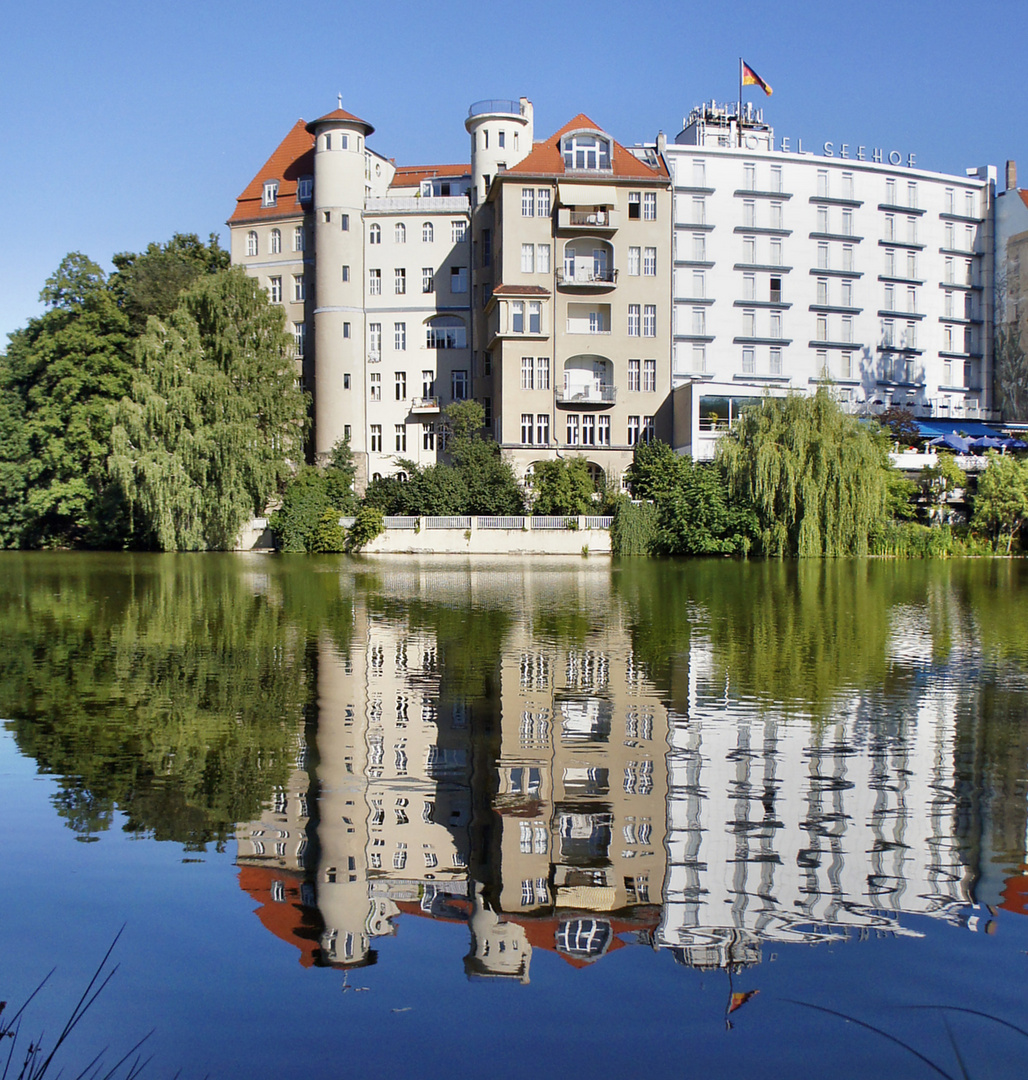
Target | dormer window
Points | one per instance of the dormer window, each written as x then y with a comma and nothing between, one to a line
305,189
270,197
583,151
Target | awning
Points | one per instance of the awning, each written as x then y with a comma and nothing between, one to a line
930,429
586,194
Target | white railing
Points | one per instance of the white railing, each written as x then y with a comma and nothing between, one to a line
517,522
596,521
446,522
500,523
397,522
445,204
544,522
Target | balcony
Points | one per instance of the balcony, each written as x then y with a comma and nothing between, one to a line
424,405
587,276
594,220
586,394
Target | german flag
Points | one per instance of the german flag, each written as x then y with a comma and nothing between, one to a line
751,78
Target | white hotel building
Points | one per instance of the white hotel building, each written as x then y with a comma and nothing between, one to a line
792,268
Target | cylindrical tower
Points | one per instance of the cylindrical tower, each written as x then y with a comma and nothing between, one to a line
501,135
339,352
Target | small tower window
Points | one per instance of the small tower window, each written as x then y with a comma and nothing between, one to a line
270,192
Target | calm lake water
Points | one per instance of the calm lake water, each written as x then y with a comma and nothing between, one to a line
538,817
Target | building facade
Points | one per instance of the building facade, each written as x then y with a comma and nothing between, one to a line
591,295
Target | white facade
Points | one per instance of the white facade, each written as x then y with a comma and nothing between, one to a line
793,268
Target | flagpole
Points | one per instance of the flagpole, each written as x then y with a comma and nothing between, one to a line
739,110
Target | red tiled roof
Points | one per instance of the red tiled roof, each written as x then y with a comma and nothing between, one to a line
545,158
520,290
340,114
293,158
1024,195
288,920
412,175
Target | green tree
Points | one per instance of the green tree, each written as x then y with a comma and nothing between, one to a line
310,495
938,482
151,282
491,485
817,477
562,486
214,423
59,378
1001,502
700,516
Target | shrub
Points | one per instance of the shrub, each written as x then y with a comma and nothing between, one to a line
366,526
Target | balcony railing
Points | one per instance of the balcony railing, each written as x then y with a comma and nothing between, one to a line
587,219
592,394
424,404
588,275
495,105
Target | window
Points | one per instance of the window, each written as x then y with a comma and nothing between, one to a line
749,287
542,373
822,291
776,215
634,261
699,284
251,243
427,279
487,247
888,333
400,233
911,230
603,430
749,364
699,173
346,380
776,325
776,252
650,320
910,339
699,321
846,295
847,256
634,312
427,384
634,204
375,385
376,438
375,234
948,304
346,329
822,328
588,430
401,438
749,176
846,365
911,194
650,262
822,183
446,332
649,376
427,232
699,210
276,242
300,338
822,219
912,264
344,221
584,151
458,279
775,367
573,435
911,299
304,189
375,339
270,197
542,258
527,428
428,436
633,430
298,288
517,317
847,185
647,429
775,290
847,223
749,324
699,247
542,429
400,339
528,258
890,263
298,238
528,202
634,374
400,281
969,207
458,231
459,385
542,202
890,297
275,290
950,236
527,374
969,238
847,328
776,178
374,282
947,339
749,213
346,273
699,358
749,250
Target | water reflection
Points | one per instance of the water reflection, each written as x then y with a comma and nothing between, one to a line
709,759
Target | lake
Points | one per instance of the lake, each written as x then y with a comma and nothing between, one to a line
540,816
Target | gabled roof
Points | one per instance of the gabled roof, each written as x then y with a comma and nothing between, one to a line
545,158
340,114
293,158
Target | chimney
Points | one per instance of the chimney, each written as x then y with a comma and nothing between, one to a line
661,142
1011,175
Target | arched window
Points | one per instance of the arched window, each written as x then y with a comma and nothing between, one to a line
276,242
401,233
251,243
446,332
585,151
427,233
375,234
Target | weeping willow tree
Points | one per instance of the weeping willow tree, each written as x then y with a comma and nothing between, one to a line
818,478
214,423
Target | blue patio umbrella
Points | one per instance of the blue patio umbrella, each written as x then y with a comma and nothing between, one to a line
988,442
1015,444
953,442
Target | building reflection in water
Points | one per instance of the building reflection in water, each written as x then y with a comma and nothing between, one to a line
554,802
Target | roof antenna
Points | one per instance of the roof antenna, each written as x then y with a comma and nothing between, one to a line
340,98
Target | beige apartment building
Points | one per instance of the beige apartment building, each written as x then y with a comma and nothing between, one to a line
571,289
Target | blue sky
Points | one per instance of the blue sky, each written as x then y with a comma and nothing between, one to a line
126,122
